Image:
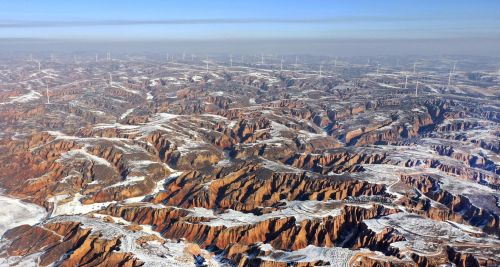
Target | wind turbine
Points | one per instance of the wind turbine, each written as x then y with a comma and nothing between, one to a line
262,59
207,64
454,66
39,65
414,67
296,60
449,80
378,66
281,64
320,70
96,57
47,92
406,81
416,89
231,60
183,56
110,79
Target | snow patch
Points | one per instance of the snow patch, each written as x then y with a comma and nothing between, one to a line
15,212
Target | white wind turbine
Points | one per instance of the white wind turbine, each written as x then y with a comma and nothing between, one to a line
416,89
449,80
47,94
207,64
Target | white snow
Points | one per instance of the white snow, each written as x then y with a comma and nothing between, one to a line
126,113
32,95
161,183
74,206
149,96
301,210
82,153
129,181
152,253
24,261
15,212
336,256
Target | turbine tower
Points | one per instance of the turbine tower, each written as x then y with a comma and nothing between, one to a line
449,80
207,64
96,57
262,59
281,64
414,67
320,70
406,81
231,60
378,66
110,79
39,65
47,93
416,89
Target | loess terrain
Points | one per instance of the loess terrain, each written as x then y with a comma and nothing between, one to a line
133,160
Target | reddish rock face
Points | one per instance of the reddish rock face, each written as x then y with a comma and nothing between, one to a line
251,167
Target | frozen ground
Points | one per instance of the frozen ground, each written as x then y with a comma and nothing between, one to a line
152,253
335,256
14,212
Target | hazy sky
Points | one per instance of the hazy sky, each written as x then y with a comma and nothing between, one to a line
108,20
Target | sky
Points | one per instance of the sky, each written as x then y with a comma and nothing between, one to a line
424,21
